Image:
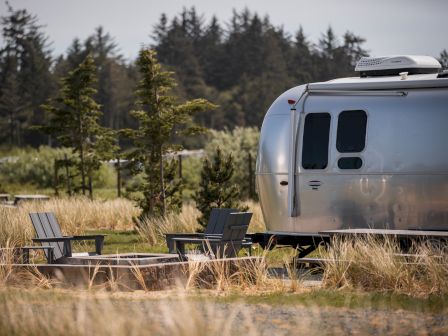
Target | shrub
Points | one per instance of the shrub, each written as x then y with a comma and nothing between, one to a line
216,189
36,167
240,142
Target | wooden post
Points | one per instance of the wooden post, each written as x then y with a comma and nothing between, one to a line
89,181
118,168
67,173
251,195
55,180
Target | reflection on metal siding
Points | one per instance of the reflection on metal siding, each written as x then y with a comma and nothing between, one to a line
402,182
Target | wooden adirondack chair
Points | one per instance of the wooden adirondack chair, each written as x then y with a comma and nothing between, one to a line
215,226
226,245
56,246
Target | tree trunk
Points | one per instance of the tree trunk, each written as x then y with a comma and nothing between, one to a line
90,186
162,184
81,151
67,173
83,174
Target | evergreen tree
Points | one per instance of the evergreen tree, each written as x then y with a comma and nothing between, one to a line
25,63
247,65
216,189
302,59
159,118
74,116
177,47
114,85
13,108
353,50
443,59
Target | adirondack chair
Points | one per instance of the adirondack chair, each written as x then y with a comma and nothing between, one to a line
226,245
215,226
56,246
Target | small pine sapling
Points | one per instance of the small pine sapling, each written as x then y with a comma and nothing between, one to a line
215,188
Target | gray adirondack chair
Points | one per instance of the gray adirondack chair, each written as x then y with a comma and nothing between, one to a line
215,226
226,245
56,246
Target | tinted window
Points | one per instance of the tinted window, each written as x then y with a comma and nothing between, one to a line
350,163
315,141
351,137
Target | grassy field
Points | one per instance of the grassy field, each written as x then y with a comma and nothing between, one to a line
368,288
58,312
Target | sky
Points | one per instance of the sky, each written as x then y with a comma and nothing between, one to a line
391,27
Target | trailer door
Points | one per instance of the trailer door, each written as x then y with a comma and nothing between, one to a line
314,164
331,157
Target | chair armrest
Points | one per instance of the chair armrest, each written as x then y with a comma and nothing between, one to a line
37,247
170,236
196,240
26,253
89,237
99,241
53,240
67,248
184,234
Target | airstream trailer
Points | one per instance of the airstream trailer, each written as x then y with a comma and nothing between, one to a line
364,152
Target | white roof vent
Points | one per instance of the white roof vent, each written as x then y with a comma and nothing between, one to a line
393,65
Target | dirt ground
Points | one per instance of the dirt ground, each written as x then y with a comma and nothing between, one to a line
265,319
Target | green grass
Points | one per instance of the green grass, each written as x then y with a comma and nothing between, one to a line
131,241
114,242
126,241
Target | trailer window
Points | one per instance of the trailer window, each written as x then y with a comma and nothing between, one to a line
351,135
315,141
349,163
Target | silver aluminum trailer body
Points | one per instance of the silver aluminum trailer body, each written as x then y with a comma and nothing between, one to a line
396,179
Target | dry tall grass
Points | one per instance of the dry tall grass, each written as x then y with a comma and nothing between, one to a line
90,314
11,276
244,275
153,230
373,263
74,214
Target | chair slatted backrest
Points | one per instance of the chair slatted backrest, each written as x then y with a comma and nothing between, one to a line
240,219
234,232
217,220
46,226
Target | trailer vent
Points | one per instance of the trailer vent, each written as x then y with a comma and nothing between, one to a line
393,65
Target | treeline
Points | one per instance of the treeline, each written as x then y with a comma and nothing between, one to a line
241,65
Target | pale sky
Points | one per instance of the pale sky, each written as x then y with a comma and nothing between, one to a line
390,26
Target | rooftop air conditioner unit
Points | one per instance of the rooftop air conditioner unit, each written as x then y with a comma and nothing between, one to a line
393,65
